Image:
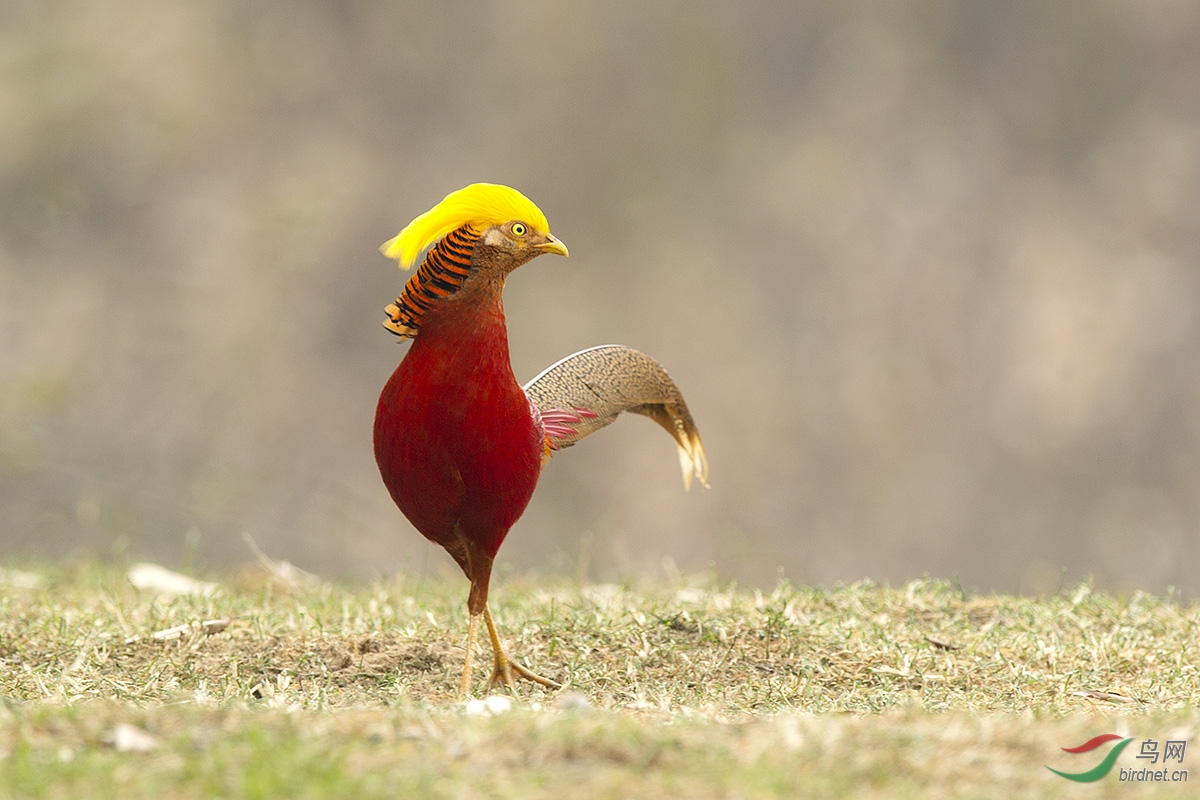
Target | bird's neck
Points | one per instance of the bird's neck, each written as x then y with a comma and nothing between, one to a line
465,336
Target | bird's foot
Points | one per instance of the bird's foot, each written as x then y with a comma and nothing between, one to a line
507,671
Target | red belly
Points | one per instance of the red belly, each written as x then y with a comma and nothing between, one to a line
456,441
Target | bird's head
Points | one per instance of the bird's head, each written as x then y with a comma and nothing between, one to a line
479,233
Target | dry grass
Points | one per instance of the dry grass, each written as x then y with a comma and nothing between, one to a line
692,689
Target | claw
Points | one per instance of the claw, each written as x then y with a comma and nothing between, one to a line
503,675
506,670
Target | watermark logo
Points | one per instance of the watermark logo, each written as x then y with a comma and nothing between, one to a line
1100,770
1172,750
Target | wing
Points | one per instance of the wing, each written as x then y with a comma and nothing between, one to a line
586,391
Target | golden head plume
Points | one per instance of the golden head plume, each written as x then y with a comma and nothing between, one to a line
480,205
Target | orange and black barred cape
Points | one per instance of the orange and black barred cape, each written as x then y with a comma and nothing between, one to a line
441,274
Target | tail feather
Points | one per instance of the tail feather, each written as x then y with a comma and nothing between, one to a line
588,390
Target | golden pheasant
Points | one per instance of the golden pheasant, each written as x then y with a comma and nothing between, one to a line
459,443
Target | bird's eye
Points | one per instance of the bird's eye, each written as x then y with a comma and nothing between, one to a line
518,229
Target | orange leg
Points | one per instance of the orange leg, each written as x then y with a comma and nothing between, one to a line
464,688
506,668
479,568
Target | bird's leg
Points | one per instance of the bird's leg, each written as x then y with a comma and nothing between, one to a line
464,688
506,668
478,567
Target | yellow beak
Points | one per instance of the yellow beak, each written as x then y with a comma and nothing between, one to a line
552,245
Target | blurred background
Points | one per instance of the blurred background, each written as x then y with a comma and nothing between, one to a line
927,273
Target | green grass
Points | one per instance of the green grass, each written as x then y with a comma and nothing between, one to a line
684,690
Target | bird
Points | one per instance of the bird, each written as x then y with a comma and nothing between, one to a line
459,443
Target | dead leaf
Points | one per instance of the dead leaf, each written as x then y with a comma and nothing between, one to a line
153,578
942,645
1098,695
206,628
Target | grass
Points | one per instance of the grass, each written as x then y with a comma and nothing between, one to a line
682,690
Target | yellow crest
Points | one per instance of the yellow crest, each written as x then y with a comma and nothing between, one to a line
480,205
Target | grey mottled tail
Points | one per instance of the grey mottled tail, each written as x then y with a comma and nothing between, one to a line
586,391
